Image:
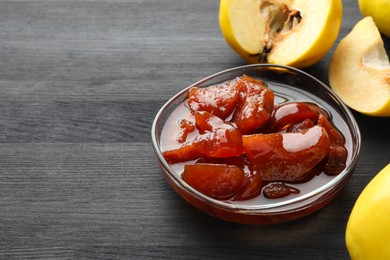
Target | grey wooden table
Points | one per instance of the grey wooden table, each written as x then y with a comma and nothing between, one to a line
80,83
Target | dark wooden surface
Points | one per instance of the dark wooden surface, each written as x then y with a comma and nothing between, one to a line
80,83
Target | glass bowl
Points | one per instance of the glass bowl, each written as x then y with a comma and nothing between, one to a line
288,84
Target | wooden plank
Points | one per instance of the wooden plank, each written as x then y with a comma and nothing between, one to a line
80,84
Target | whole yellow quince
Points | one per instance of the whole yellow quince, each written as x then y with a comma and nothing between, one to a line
368,228
379,10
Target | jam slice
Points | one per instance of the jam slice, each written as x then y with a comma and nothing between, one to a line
218,181
337,158
291,113
186,127
220,100
252,187
219,140
336,161
205,121
185,153
255,105
334,135
278,190
286,156
252,184
301,126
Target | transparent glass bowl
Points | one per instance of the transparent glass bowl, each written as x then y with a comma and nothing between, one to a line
288,84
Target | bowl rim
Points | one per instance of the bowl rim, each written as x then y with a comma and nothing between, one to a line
322,190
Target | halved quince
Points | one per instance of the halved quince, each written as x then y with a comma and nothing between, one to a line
288,32
359,71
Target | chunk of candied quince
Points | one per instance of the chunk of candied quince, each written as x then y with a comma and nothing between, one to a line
337,158
256,103
186,127
205,121
334,134
301,126
218,181
217,139
286,156
252,184
220,100
252,187
187,152
278,190
287,114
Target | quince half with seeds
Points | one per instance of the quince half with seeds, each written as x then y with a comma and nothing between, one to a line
296,33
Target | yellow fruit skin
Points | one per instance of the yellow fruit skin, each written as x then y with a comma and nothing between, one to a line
361,86
384,111
312,55
379,10
227,32
368,229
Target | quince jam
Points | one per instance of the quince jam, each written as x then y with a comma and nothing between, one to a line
233,141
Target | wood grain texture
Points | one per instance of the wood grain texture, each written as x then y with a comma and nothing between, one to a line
80,84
